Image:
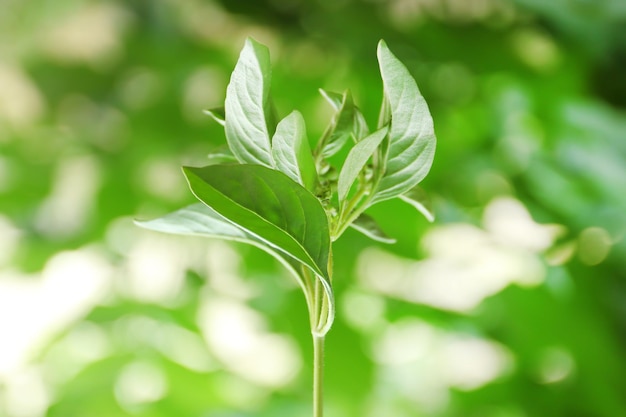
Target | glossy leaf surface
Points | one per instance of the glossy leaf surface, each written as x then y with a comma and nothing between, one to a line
269,205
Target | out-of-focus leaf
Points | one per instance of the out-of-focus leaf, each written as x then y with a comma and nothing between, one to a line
359,128
340,129
368,226
218,114
221,155
419,199
334,99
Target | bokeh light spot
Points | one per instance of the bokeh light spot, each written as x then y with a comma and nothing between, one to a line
26,394
140,383
21,102
556,364
236,335
363,311
594,245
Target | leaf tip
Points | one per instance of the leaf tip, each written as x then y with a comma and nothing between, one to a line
324,94
152,224
382,46
188,171
216,114
250,41
296,114
140,223
256,46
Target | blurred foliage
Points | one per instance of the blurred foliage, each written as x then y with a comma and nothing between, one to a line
512,304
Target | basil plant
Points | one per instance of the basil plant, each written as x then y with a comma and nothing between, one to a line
272,189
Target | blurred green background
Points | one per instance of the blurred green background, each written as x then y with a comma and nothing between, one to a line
511,304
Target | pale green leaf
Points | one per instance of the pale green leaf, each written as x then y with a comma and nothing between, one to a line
360,128
197,219
411,134
200,220
418,198
247,104
356,160
269,205
368,226
340,129
292,152
334,99
221,155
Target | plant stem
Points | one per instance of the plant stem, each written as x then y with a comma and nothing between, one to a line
318,376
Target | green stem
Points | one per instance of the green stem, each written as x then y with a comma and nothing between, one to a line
352,216
319,310
318,315
318,376
347,211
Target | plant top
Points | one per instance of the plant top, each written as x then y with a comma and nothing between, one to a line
273,190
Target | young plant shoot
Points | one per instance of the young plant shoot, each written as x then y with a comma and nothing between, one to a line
273,191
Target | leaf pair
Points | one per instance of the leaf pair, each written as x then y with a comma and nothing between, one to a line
408,127
248,126
411,133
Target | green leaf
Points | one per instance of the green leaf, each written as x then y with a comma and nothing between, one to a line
269,205
218,114
340,128
221,155
356,160
247,106
292,152
360,128
334,99
418,198
368,226
411,135
200,220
